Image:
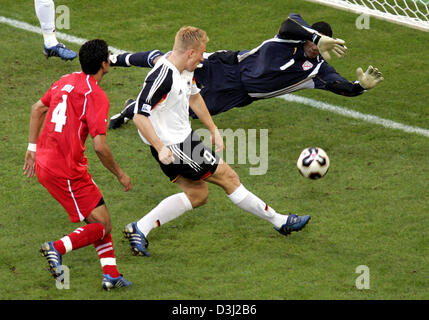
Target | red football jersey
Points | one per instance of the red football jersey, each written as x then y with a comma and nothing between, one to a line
77,106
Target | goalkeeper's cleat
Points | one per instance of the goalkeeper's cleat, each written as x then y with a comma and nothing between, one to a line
113,57
138,241
293,223
117,120
113,283
54,259
60,50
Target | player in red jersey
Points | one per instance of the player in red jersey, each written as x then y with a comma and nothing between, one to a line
72,108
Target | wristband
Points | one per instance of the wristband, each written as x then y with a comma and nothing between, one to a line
315,38
32,147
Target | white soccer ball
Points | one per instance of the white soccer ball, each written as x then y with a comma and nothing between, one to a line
313,163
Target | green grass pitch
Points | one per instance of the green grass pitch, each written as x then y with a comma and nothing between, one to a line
371,209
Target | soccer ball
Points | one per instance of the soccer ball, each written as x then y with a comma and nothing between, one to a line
313,163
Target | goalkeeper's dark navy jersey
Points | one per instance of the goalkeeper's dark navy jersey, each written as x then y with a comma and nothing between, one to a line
276,67
280,65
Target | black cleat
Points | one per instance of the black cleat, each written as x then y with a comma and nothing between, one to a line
117,120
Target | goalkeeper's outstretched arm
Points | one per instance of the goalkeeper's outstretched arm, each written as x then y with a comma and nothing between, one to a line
329,79
295,28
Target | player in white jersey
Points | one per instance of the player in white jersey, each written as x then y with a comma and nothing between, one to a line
165,97
161,116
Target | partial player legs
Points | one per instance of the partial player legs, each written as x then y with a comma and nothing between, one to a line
228,179
127,113
81,237
92,233
195,194
45,11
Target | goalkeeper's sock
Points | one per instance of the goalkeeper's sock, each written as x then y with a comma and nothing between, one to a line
168,209
246,200
143,59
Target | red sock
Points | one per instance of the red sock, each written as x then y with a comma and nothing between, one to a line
106,254
81,237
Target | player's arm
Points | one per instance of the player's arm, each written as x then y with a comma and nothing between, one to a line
329,79
345,88
145,127
38,114
198,105
337,84
295,28
155,89
103,152
144,59
96,113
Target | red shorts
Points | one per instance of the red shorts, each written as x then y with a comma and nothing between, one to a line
78,197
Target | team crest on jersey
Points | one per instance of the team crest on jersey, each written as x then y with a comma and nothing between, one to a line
307,65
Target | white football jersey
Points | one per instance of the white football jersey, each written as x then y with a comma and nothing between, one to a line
164,98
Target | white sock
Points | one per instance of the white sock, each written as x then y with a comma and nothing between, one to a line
168,209
45,11
246,200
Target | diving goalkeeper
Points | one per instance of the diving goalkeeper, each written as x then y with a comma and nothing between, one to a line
295,59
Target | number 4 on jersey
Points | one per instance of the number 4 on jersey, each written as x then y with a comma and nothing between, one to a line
59,114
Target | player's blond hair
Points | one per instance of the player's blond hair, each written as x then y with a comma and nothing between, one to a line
190,38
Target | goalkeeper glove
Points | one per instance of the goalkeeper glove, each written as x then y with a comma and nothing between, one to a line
327,44
370,78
